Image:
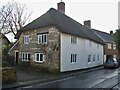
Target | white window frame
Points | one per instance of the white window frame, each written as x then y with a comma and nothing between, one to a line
41,61
114,46
115,56
109,45
98,45
73,58
42,39
26,39
89,58
90,43
24,54
73,39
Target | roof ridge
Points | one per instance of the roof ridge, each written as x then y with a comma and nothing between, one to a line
101,31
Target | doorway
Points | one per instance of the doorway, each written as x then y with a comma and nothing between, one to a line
16,57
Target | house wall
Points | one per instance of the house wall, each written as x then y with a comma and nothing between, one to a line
0,62
111,52
4,41
82,50
93,50
14,47
67,49
50,50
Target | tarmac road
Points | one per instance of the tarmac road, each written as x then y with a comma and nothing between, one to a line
93,79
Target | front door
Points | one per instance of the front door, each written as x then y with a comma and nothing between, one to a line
16,56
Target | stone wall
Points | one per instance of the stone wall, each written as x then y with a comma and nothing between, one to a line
50,50
8,74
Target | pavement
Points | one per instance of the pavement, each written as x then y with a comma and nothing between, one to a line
26,77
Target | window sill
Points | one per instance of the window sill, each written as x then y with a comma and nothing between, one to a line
39,61
25,60
73,43
89,62
74,63
41,43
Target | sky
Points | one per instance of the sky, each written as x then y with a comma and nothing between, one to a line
102,13
119,14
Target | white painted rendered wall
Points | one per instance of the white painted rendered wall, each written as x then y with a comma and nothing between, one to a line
93,50
82,50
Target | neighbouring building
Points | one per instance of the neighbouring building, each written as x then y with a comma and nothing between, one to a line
4,42
57,43
110,49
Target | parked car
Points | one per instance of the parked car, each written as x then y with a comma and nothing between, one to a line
111,63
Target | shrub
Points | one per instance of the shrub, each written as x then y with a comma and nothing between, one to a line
5,64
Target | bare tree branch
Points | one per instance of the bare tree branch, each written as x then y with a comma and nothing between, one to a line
13,16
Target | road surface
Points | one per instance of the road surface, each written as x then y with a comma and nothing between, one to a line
84,80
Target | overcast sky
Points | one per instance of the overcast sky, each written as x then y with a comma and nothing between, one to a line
102,13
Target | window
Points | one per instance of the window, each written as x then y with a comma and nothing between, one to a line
94,58
26,39
89,58
90,43
97,45
114,56
109,46
98,57
42,38
39,57
73,58
25,56
114,46
73,39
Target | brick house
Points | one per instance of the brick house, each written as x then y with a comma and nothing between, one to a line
57,43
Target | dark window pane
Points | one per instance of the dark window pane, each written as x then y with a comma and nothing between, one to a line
28,56
71,58
75,57
45,38
23,56
37,55
42,38
39,39
41,57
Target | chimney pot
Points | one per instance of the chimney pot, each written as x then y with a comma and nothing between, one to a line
61,7
111,32
87,23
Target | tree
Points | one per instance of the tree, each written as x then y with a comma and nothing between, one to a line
13,16
117,39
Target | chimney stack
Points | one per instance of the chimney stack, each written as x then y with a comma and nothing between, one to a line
87,23
111,32
61,6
